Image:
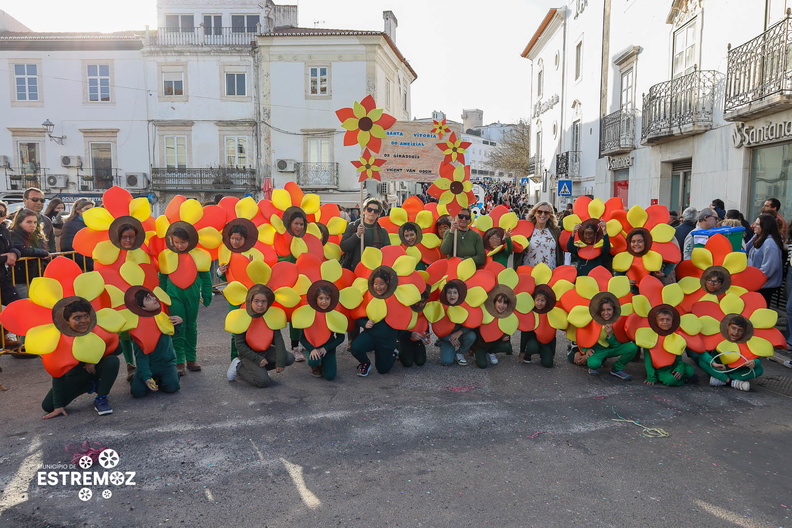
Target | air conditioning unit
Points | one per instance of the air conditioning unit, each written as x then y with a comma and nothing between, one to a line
60,181
71,161
5,162
285,165
135,180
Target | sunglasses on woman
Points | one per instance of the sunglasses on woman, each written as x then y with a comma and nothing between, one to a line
372,210
463,217
540,212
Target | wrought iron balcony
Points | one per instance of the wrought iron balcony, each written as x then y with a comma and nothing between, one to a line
316,175
535,168
208,179
200,36
759,74
96,179
679,107
617,132
568,164
20,178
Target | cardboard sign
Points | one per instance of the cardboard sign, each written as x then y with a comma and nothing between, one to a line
411,153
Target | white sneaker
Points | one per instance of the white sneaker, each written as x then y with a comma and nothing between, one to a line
492,359
715,382
232,369
741,385
460,359
298,353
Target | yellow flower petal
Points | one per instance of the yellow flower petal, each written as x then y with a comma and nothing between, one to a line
139,208
405,265
223,255
350,298
674,344
398,216
98,218
476,296
466,269
89,285
110,320
645,337
613,227
408,294
434,311
132,273
191,211
484,223
709,325
209,237
332,251
732,304
571,221
557,318
168,261
736,262
42,339
689,284
160,294
443,184
337,225
45,291
508,221
361,285
673,294
637,216
727,354
761,347
596,208
89,348
622,261
287,297
303,317
394,239
561,287
457,314
542,273
161,224
579,316
331,270
202,258
237,321
138,256
486,318
116,295
376,310
701,258
424,220
275,318
130,320
619,286
164,324
266,234
430,240
259,272
336,322
508,277
508,325
376,114
662,233
641,305
587,287
524,302
371,258
105,251
689,323
281,199
310,203
358,110
652,261
764,318
235,293
302,285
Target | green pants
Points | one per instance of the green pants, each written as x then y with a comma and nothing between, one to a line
79,381
530,345
742,373
234,352
624,351
666,378
185,304
498,347
126,348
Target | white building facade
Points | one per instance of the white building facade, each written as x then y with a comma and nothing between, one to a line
689,100
215,100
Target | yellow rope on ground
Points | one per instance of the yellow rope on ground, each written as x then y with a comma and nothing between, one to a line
648,432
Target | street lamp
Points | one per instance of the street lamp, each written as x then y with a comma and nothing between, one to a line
49,128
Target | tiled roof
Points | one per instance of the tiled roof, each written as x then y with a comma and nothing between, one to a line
92,35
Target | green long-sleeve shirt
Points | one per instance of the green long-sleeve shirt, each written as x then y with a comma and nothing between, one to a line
162,356
201,287
244,350
469,245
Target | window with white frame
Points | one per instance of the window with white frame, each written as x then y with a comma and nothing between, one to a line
236,151
244,23
540,79
98,82
627,99
685,49
175,150
236,84
404,101
578,60
576,127
180,23
26,82
213,24
172,83
318,80
387,93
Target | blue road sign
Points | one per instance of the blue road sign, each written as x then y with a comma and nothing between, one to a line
564,187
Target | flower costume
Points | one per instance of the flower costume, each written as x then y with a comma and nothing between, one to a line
286,205
659,246
412,212
500,220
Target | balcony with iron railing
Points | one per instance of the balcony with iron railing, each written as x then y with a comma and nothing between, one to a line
568,165
535,168
96,179
680,107
316,175
230,179
20,178
759,74
200,36
617,132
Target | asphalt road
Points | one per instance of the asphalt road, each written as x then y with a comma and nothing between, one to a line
514,445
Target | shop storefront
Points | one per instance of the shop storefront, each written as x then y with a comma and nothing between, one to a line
771,155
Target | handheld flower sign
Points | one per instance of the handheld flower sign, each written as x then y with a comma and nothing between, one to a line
440,128
453,188
41,318
369,166
365,124
454,149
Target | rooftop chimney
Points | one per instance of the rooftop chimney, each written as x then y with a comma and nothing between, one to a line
390,24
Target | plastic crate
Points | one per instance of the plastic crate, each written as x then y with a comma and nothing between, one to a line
734,234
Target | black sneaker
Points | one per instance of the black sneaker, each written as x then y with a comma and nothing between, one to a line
363,369
102,406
